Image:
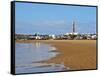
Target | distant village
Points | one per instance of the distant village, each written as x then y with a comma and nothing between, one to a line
67,36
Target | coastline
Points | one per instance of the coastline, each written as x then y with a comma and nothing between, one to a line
75,54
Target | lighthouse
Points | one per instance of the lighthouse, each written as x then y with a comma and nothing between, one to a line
73,27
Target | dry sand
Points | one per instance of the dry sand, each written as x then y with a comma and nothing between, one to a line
76,54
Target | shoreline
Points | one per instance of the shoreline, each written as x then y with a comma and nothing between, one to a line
75,54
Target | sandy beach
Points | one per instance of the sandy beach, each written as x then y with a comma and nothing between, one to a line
75,54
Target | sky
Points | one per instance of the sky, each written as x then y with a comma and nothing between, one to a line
33,18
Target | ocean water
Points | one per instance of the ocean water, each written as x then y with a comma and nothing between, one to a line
28,57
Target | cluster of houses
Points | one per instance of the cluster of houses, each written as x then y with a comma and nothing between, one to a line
67,36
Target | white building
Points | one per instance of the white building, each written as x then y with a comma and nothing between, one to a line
38,37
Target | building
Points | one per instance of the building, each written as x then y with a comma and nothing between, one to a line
73,27
73,30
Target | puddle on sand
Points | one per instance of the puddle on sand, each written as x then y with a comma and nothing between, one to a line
27,53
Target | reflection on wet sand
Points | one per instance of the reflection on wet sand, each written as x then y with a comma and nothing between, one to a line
37,44
30,55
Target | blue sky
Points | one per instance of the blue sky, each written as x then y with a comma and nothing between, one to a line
33,18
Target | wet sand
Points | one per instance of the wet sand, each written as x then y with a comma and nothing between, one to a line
75,54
